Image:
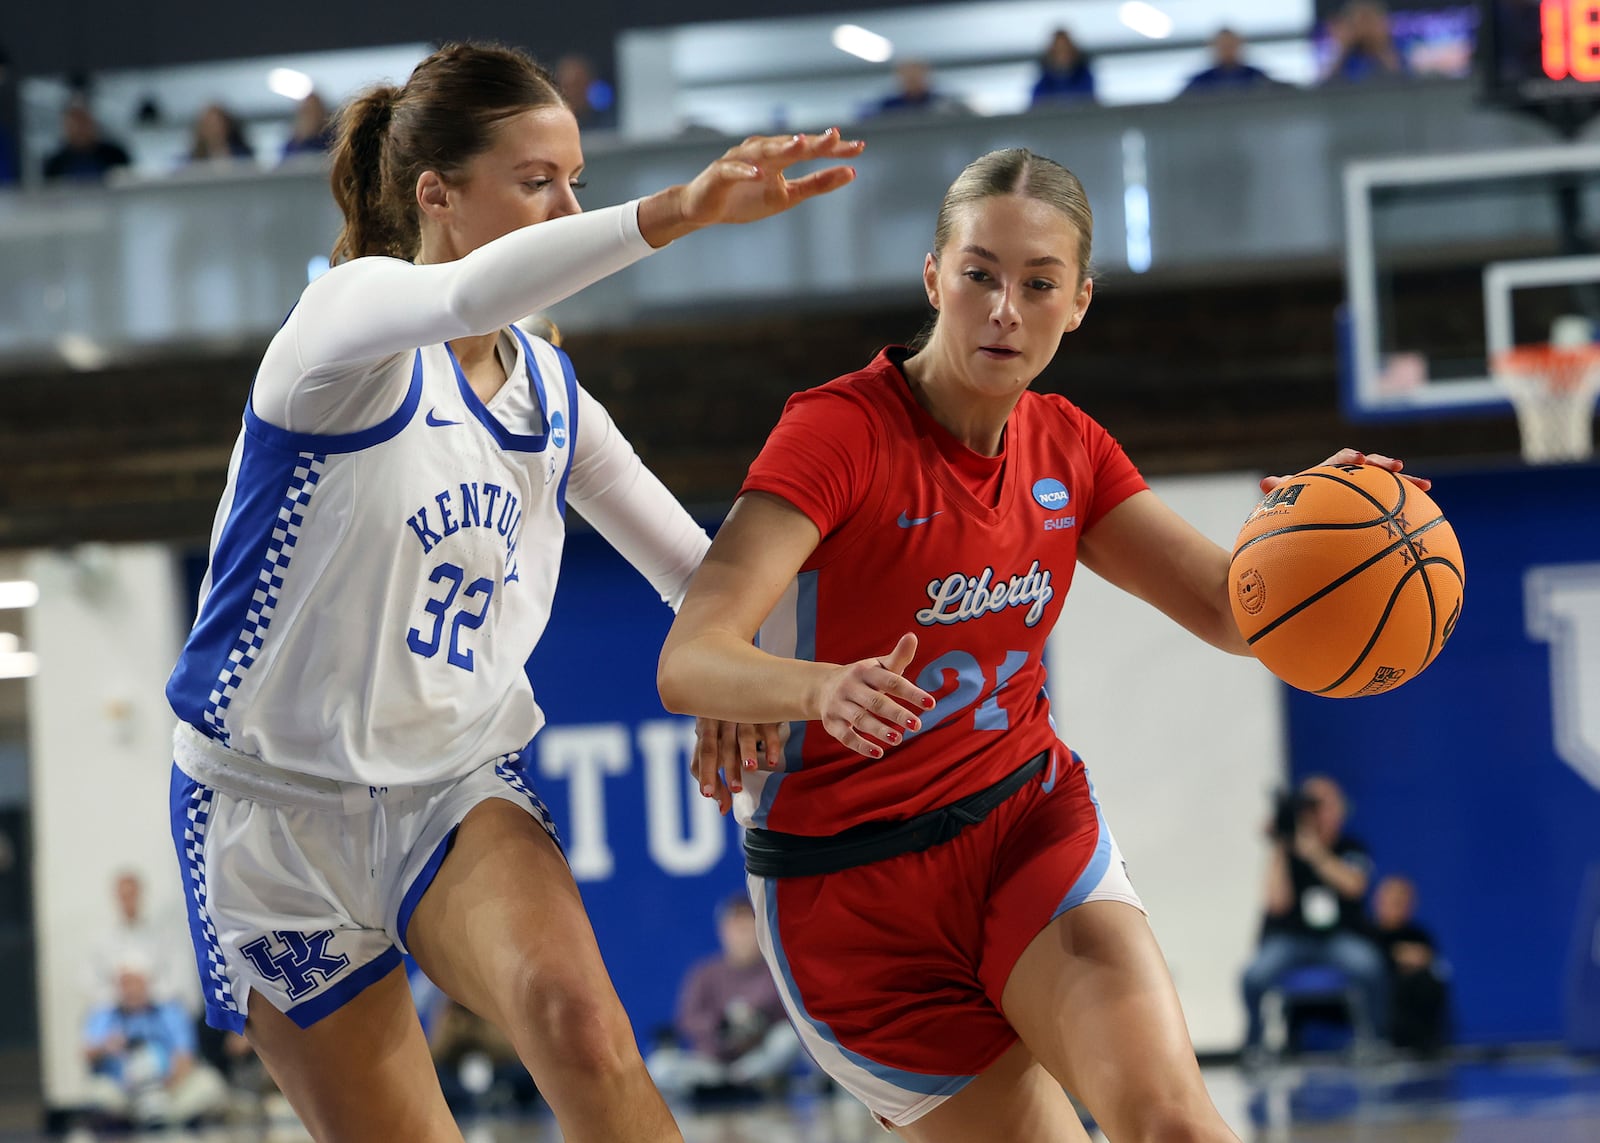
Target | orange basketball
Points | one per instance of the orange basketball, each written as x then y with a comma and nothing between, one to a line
1346,580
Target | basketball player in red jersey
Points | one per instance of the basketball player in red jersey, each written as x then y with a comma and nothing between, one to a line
940,900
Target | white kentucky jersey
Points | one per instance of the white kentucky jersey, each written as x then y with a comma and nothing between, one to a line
372,597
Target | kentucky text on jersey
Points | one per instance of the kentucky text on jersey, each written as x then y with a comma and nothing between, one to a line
474,508
957,597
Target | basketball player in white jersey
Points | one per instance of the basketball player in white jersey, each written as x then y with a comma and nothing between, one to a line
351,754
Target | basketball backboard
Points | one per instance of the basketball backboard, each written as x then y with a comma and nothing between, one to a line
1451,259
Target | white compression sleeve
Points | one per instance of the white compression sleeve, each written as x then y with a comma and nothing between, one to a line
630,507
370,309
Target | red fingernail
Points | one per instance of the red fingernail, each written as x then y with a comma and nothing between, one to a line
912,724
749,763
927,704
876,753
705,791
893,737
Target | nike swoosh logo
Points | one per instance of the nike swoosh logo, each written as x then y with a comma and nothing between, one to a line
1049,784
912,522
438,422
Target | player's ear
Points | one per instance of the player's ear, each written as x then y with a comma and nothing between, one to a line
930,280
1080,304
432,198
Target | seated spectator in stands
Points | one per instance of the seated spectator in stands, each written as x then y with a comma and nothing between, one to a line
1228,71
84,155
313,129
141,1056
590,100
1419,1009
478,1067
135,932
1317,877
914,91
730,1020
1365,45
1064,72
218,136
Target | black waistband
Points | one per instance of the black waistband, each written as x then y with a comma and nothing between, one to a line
768,853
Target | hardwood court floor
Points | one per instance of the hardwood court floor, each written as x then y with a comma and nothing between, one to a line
1550,1099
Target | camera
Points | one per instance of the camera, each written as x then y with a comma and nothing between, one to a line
1288,806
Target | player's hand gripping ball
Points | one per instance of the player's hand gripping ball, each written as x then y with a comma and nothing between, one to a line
1346,580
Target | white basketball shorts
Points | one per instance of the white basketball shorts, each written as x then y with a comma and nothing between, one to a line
301,888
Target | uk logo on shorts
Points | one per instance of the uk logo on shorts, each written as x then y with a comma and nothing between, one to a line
297,958
1051,494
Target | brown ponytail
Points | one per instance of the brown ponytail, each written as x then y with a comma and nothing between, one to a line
443,116
358,176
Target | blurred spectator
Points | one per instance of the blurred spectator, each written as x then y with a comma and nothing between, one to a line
85,155
591,100
135,933
479,1070
1364,44
1419,1011
1228,71
10,168
1064,72
313,129
730,1019
230,1055
1316,881
218,136
141,1057
914,91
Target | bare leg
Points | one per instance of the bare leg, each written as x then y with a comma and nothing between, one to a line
502,930
1092,999
361,1073
1015,1100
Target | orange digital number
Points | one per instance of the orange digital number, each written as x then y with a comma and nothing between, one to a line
1570,39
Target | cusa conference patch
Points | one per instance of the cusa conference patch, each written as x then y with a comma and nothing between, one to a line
1051,494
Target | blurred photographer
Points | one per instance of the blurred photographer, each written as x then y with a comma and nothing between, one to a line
141,1056
1317,879
731,1028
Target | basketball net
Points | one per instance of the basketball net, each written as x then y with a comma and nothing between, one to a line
1553,388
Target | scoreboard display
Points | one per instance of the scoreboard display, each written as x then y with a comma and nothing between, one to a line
1541,51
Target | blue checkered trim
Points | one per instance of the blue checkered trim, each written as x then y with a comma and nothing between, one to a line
511,774
218,990
264,600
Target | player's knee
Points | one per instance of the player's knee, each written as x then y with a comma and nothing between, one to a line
578,1029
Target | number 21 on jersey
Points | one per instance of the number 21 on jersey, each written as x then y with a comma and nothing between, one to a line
970,681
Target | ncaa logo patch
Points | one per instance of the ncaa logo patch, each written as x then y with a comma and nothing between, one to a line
1051,494
558,429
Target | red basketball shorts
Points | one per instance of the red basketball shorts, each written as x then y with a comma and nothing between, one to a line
892,972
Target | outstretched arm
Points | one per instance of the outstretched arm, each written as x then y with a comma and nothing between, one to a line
371,309
630,507
710,667
1148,550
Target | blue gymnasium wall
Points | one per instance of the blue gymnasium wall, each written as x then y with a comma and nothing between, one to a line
595,668
1457,779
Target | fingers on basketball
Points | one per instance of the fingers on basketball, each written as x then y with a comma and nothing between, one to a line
1346,580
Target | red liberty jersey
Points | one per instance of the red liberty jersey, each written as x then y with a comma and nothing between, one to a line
920,533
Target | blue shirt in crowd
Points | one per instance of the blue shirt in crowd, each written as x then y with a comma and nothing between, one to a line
154,1034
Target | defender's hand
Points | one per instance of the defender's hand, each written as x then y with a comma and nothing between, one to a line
748,183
